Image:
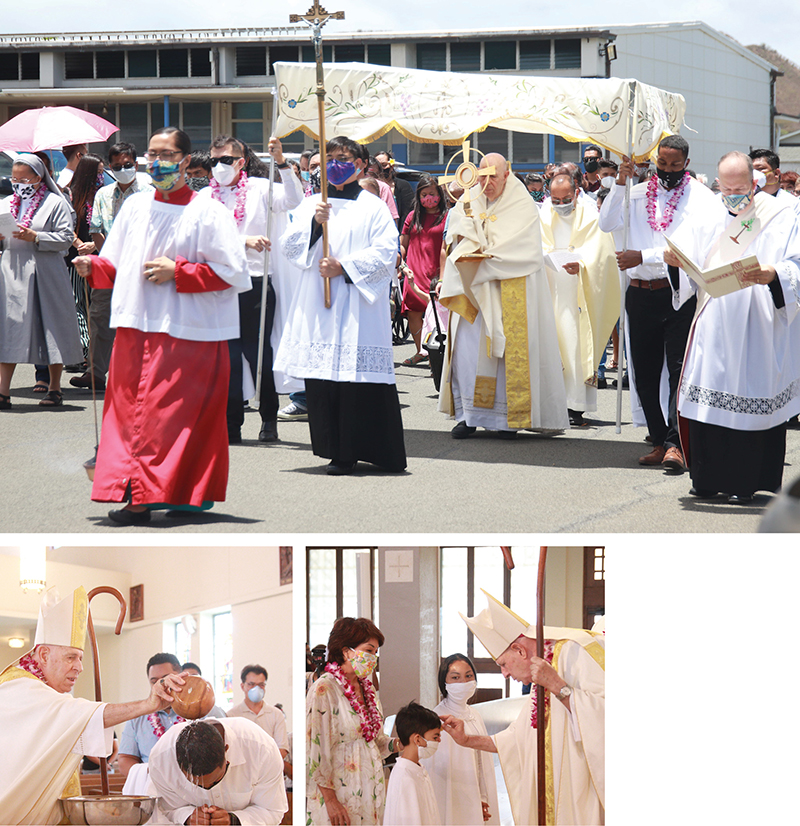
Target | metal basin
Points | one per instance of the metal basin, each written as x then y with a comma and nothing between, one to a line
122,809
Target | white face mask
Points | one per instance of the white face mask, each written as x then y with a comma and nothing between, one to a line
564,210
461,692
608,182
123,176
429,749
224,173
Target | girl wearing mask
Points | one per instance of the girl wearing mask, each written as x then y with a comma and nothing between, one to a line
345,743
463,779
420,247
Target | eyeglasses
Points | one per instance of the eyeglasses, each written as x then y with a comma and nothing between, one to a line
230,160
162,156
120,167
23,181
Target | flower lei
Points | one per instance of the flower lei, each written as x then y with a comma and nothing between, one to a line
669,210
36,200
549,646
371,722
241,195
158,726
27,663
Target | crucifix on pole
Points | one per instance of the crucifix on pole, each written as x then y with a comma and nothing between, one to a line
316,17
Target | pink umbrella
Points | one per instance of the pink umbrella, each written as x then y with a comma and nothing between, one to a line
53,127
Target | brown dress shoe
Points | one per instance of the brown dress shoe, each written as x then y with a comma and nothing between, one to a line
654,457
673,460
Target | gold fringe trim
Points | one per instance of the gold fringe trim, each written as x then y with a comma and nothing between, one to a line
518,376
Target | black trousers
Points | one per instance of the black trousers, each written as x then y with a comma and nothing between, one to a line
657,331
247,344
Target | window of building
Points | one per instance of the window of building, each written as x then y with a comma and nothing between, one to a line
527,149
196,122
380,54
201,62
349,53
79,65
594,585
110,63
432,56
534,54
499,54
465,57
143,63
29,65
173,63
222,635
157,120
251,60
493,139
281,54
566,151
9,66
296,142
308,54
247,124
567,54
423,153
134,126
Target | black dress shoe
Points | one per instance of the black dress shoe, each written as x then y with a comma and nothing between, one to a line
462,431
234,437
336,468
740,499
268,432
128,517
506,434
702,494
602,384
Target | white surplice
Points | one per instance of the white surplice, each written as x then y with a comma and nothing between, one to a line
410,800
577,753
351,341
463,778
252,787
43,736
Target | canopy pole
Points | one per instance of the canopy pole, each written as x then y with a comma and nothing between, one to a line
623,277
265,285
541,724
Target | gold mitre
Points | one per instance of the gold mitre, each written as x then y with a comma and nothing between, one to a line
62,621
498,626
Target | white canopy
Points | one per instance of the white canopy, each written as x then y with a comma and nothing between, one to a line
364,102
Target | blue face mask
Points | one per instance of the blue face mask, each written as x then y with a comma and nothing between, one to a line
305,175
340,171
256,694
165,175
737,203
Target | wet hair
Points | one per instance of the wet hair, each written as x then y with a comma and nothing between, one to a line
162,659
201,159
72,149
182,140
200,749
768,155
195,666
676,142
445,667
418,211
121,148
415,719
84,184
348,632
254,669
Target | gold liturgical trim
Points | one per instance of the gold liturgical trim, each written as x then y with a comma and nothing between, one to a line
549,782
518,375
485,387
80,613
462,306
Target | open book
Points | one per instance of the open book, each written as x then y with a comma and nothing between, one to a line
557,258
718,280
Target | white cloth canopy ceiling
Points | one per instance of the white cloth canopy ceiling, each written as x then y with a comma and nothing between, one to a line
364,102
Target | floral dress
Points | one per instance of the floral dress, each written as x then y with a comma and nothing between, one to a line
338,757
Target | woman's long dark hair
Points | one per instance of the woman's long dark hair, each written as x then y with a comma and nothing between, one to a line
419,212
84,184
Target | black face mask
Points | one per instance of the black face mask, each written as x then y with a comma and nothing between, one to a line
670,179
197,183
591,164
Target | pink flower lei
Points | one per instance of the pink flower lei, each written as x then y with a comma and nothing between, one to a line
669,210
241,195
29,664
158,726
36,200
371,721
549,647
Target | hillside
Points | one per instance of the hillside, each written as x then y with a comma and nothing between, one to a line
788,86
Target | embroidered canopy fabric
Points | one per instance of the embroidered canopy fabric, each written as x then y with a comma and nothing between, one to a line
364,102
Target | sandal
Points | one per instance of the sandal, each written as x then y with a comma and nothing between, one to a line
414,360
54,398
5,402
41,387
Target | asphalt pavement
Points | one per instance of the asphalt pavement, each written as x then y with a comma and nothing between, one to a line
584,481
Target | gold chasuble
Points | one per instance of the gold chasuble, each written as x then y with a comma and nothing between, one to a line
503,291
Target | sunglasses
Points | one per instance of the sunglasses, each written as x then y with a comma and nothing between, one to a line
229,160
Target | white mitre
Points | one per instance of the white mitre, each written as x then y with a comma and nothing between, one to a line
498,626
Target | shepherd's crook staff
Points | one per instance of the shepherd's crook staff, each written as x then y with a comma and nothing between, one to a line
317,17
541,757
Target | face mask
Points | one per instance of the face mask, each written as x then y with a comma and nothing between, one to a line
305,175
340,171
429,749
429,201
315,178
165,175
364,663
123,176
670,179
24,190
591,164
256,694
608,181
461,692
737,203
198,183
224,173
564,210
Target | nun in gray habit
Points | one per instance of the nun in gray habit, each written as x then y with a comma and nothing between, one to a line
39,323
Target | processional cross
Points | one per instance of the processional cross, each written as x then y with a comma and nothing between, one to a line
316,17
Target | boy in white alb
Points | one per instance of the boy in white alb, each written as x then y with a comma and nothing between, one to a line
410,800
